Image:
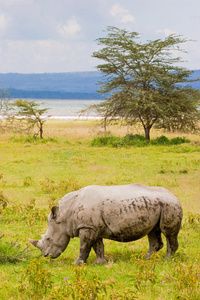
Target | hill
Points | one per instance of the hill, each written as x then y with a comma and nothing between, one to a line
77,85
71,85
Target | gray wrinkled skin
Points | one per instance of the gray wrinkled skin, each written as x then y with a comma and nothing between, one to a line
122,213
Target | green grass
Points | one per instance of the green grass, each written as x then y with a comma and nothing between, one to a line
34,176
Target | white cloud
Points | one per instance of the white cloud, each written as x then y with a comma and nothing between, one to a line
40,56
166,31
70,29
122,14
128,19
4,20
117,10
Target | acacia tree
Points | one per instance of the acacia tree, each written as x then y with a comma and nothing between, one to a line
31,114
145,81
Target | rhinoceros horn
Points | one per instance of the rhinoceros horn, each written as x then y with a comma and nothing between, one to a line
34,243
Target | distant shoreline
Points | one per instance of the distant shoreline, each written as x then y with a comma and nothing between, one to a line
73,118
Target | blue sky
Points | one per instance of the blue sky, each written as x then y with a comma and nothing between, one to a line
41,36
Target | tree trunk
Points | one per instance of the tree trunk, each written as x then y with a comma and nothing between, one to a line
105,124
147,133
41,131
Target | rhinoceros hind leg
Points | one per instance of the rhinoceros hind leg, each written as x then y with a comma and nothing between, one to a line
87,239
98,247
170,225
155,241
172,245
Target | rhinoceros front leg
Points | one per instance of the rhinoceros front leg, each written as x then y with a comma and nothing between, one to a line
87,238
98,247
155,241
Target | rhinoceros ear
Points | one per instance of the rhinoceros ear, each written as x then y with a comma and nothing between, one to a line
54,211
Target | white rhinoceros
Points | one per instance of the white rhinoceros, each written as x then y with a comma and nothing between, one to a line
122,213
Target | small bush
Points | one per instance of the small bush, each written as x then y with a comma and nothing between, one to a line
31,139
110,141
179,140
192,219
12,252
84,286
135,140
118,142
63,186
28,181
161,140
28,212
3,202
35,281
186,278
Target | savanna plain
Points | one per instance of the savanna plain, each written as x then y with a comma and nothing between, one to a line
35,174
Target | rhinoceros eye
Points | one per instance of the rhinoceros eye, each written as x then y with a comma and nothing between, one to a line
48,239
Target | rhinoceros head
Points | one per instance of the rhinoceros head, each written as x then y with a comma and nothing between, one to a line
55,240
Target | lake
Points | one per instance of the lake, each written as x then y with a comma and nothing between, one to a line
67,109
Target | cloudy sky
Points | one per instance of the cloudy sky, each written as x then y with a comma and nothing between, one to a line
41,36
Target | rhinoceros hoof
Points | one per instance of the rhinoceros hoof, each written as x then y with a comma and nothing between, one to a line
100,261
78,261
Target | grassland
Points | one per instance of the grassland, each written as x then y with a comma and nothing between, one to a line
35,174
